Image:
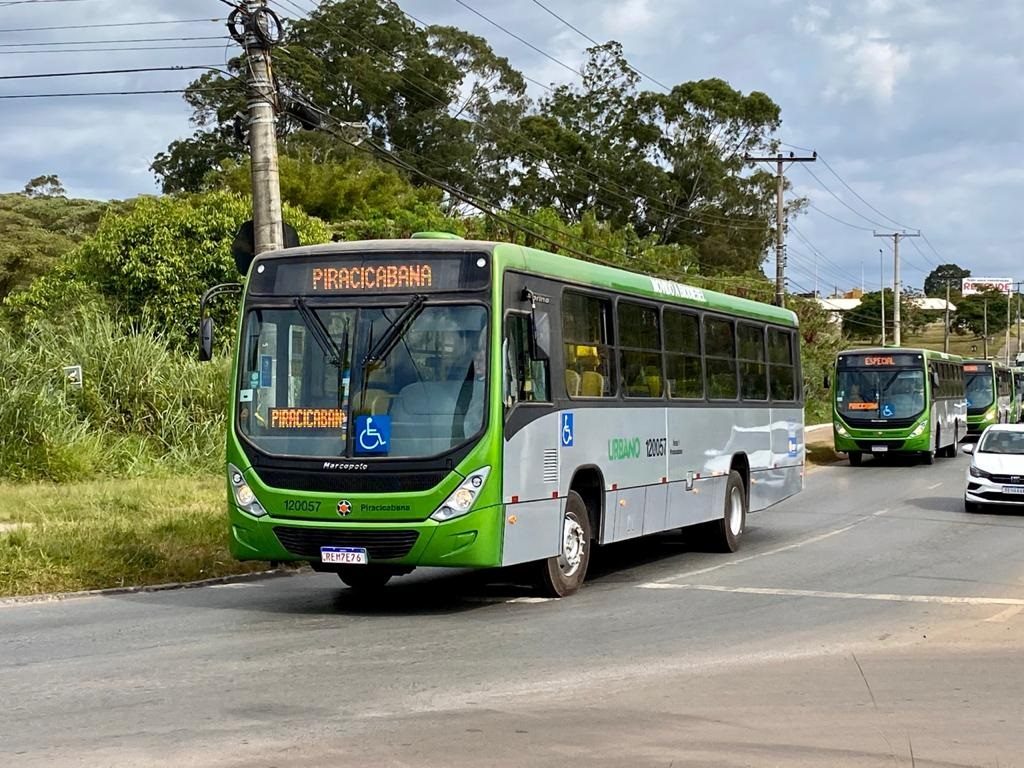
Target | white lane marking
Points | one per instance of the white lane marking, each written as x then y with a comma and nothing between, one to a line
933,487
1006,615
233,586
777,550
890,598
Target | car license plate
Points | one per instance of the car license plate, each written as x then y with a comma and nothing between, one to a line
1016,489
879,448
344,555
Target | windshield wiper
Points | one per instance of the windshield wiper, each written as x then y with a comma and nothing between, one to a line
395,331
335,353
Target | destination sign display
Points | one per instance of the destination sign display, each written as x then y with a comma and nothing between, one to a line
977,367
881,360
347,274
306,418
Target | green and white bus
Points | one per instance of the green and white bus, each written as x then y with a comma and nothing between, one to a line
898,400
441,402
991,395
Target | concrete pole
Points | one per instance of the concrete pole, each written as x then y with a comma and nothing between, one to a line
268,229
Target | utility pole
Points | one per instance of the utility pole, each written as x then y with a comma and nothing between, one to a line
881,282
945,329
1019,285
780,222
985,329
262,30
896,288
1009,296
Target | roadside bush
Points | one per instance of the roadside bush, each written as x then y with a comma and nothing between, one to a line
144,407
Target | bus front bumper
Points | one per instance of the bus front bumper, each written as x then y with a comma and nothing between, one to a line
470,541
892,441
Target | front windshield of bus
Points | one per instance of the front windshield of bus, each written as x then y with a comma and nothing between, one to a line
980,392
880,394
304,390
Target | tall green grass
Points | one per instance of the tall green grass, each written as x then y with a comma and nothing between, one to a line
143,408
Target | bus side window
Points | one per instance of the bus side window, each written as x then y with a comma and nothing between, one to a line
526,379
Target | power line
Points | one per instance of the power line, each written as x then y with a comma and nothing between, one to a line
110,25
840,221
105,93
114,50
596,180
118,41
580,32
841,201
525,42
27,2
174,68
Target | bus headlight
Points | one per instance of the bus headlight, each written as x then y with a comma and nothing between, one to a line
918,430
244,497
990,413
841,430
461,500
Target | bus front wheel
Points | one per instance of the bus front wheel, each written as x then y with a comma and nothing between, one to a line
855,458
563,574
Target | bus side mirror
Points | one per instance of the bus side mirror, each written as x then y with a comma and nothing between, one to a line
541,336
826,382
206,339
935,378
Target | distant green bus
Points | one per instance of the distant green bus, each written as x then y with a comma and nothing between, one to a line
441,402
991,394
898,400
1018,386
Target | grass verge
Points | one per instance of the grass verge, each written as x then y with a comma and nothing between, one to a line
818,448
113,533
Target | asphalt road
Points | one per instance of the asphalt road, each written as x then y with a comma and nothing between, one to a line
868,622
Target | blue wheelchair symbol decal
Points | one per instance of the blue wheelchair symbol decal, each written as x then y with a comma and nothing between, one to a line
888,411
566,432
373,434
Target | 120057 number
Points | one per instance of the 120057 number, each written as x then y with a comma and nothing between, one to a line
301,505
656,447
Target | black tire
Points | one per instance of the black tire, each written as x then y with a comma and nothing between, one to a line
970,506
563,574
855,458
365,578
941,451
723,535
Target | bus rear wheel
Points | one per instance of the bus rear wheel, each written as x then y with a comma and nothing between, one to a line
855,458
365,578
563,574
723,535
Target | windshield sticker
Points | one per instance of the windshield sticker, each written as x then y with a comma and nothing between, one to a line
888,411
254,379
373,434
306,418
245,396
266,370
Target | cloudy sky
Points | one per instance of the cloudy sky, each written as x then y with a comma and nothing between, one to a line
917,105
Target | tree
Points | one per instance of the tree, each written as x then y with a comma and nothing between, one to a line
154,261
971,311
420,92
37,230
865,320
45,186
935,283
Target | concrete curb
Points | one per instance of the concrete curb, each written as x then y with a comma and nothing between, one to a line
53,597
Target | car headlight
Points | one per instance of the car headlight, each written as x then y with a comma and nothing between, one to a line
244,497
841,430
462,498
918,430
975,472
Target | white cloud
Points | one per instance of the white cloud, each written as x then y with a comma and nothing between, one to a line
629,16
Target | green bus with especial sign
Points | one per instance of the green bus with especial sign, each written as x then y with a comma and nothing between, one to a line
991,392
440,402
897,400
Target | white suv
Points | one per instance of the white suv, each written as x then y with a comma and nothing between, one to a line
996,474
